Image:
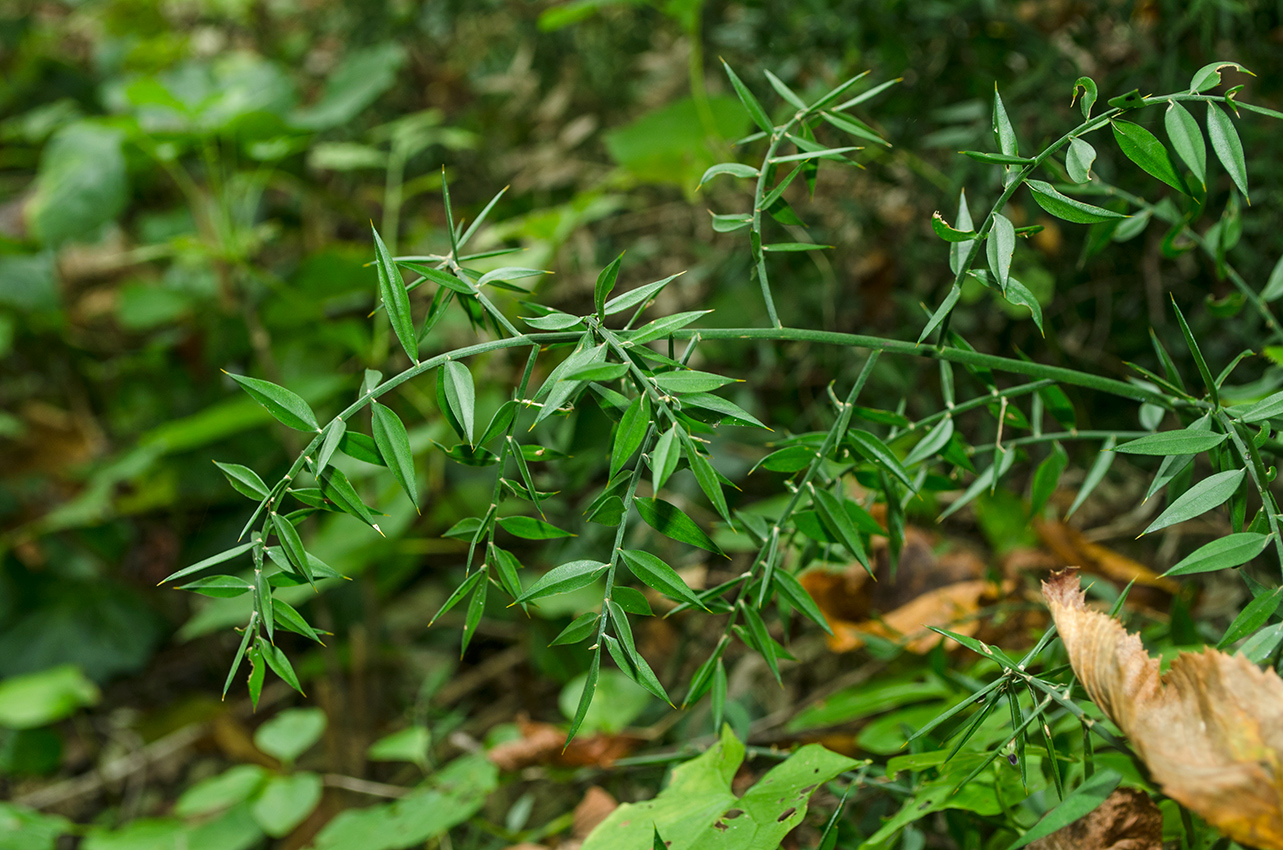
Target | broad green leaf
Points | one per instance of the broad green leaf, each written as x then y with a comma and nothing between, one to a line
82,183
1067,208
789,459
1164,443
999,247
634,297
1274,285
1254,615
1143,148
1209,76
735,169
461,395
1080,802
1046,477
221,791
286,407
243,480
690,381
31,700
630,433
356,445
605,284
1209,493
288,618
1094,476
211,561
500,422
1226,144
669,520
286,802
394,445
1187,138
754,109
581,628
529,528
1088,85
654,573
947,233
1079,159
562,579
933,442
664,458
1266,408
395,299
1230,551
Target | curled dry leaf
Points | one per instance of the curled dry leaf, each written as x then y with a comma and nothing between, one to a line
1127,820
1071,547
542,743
952,606
1210,730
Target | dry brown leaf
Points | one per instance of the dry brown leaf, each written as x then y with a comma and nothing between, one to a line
541,743
1210,730
594,808
1072,548
1127,820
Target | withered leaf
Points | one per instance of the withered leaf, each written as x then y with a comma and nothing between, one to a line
1127,820
1210,730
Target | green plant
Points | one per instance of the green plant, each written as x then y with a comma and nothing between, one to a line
666,418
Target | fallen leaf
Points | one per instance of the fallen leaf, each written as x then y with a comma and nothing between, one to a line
1210,730
542,743
1071,547
594,808
1127,820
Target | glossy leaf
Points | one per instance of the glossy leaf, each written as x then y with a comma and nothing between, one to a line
1088,86
581,628
1019,294
669,520
333,436
605,285
1209,493
529,528
286,407
839,524
562,579
1230,551
1226,144
1143,148
281,665
877,451
664,458
690,381
1209,76
395,299
630,433
243,480
292,543
635,297
211,561
708,481
731,411
1067,208
586,696
1254,615
394,445
793,591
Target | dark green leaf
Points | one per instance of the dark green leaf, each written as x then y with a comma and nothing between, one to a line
257,672
934,441
219,587
839,524
632,601
356,445
1094,476
581,628
1192,344
637,296
947,233
1209,76
336,487
662,327
664,458
243,480
585,698
292,544
280,665
997,158
476,607
1069,209
1002,130
1266,408
630,433
761,638
999,248
656,574
394,446
562,579
1143,148
461,591
1046,477
1088,85
290,619
333,435
793,591
731,411
1209,493
500,422
1254,615
669,520
286,407
211,561
946,306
